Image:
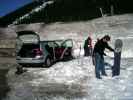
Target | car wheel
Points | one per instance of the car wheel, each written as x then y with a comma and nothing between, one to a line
48,62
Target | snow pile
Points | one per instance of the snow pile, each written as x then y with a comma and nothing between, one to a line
7,33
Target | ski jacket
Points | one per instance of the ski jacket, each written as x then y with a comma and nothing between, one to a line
88,42
100,47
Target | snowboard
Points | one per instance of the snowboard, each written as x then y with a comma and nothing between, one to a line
117,57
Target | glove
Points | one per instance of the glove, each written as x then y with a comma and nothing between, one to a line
104,54
113,50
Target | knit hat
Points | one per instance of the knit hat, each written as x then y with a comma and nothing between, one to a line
107,37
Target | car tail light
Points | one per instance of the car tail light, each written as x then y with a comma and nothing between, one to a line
38,52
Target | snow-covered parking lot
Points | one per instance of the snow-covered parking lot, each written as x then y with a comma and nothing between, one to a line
74,80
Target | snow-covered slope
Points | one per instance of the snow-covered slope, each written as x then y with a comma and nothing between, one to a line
75,80
116,26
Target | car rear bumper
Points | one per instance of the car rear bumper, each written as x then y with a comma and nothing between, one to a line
30,61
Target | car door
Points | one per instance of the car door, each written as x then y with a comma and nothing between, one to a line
57,49
66,48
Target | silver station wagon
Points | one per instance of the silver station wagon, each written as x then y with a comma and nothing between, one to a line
30,51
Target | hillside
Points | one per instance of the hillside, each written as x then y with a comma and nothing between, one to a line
65,11
9,18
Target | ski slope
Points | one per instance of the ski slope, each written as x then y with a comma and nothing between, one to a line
75,80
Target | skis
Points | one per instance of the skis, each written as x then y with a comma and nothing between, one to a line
117,57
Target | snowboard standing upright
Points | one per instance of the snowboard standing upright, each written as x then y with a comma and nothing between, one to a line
117,57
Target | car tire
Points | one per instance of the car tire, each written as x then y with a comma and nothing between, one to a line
48,62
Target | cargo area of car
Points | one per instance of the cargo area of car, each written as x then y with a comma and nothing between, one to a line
29,50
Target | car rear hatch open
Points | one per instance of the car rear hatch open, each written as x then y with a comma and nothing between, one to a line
28,37
27,44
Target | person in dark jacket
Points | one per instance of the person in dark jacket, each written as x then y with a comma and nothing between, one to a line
98,55
88,47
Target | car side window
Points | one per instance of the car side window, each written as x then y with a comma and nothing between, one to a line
52,44
67,43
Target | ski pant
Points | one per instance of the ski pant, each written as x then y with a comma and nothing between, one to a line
88,51
99,65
